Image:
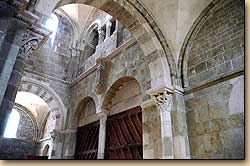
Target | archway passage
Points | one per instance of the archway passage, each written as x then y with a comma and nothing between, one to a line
124,135
87,141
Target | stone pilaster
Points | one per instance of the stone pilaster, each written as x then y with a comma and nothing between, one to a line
180,132
75,54
164,105
102,134
69,143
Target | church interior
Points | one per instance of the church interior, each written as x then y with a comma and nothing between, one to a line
122,79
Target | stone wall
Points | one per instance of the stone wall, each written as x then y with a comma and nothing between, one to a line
215,107
26,128
127,97
17,149
218,48
54,58
129,62
215,119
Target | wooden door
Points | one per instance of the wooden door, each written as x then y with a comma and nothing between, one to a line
124,135
87,141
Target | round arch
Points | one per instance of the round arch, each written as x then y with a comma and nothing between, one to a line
114,88
205,15
75,116
46,93
62,13
83,104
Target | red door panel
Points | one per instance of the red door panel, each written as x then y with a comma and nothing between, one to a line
87,141
124,135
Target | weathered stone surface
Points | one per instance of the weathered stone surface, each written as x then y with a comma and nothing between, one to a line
17,149
217,44
212,122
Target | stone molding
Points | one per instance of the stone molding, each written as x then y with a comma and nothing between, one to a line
214,81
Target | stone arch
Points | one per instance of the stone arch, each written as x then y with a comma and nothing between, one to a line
73,29
73,25
74,117
92,26
197,26
83,104
144,28
46,93
114,88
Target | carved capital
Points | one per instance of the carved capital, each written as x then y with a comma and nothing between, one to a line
99,75
164,101
29,45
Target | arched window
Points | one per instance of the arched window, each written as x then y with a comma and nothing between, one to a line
113,25
93,42
13,121
52,24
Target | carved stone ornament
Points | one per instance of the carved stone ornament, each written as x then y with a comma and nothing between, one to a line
164,101
29,45
99,75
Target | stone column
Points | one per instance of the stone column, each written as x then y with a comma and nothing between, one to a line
102,134
101,35
30,43
108,29
26,40
164,105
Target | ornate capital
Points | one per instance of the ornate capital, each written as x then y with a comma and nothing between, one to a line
164,101
29,45
100,64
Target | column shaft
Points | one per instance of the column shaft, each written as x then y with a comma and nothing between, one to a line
102,136
10,93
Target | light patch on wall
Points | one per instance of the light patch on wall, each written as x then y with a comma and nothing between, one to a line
52,24
35,104
12,124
